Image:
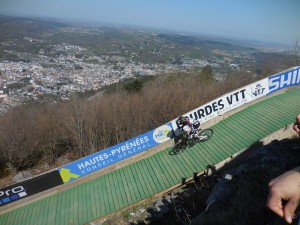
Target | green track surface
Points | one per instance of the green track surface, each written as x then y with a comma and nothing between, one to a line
128,185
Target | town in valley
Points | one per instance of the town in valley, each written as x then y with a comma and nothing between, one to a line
45,61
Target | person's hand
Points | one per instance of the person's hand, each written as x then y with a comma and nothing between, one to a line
296,128
284,196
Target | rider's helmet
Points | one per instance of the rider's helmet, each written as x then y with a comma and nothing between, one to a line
180,121
183,120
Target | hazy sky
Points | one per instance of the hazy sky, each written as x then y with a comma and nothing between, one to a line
269,20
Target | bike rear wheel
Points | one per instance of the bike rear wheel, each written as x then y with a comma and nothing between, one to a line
181,143
205,134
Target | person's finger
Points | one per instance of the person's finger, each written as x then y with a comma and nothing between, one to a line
290,209
274,203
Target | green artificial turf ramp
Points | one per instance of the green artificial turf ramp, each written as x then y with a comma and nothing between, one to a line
128,185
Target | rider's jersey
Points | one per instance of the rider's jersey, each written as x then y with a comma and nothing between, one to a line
186,128
189,126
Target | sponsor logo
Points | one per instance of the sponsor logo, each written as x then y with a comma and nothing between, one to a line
258,90
106,157
284,80
212,109
162,133
12,194
66,175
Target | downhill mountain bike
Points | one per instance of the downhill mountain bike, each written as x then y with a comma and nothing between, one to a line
184,140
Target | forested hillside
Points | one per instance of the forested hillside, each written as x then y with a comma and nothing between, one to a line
34,132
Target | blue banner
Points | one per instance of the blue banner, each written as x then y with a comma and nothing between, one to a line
283,80
109,156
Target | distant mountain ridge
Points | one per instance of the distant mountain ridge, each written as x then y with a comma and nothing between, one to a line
190,38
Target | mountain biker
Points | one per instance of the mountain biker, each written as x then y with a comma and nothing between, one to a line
188,125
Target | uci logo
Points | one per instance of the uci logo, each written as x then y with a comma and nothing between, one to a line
12,191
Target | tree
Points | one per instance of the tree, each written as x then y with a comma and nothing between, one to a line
75,123
19,139
134,86
207,73
77,67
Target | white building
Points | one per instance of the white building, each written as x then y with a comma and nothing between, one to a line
2,95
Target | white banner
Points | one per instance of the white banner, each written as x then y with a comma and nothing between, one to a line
228,102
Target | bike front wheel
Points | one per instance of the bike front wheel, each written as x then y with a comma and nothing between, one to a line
205,134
